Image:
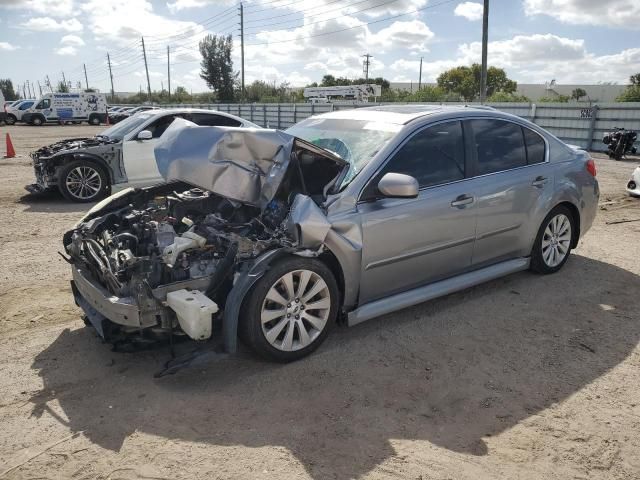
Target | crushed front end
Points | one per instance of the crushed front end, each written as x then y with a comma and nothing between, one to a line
152,263
129,263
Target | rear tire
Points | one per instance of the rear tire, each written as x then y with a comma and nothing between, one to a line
553,243
94,120
83,182
37,121
290,310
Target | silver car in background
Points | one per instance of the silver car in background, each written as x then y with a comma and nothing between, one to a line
350,214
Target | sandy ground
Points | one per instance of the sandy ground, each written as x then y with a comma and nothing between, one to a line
526,377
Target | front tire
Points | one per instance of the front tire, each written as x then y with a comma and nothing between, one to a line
83,182
554,240
290,310
10,120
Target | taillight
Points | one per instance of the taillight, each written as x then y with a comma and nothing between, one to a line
591,167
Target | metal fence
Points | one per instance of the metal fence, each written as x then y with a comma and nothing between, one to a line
578,124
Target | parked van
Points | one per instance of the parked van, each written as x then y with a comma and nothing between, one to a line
68,107
16,110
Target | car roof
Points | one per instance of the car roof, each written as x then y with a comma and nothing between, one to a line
399,114
165,111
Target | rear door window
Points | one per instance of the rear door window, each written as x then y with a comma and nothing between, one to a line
535,147
499,145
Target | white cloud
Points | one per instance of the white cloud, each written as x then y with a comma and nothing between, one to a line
48,24
470,10
72,40
67,51
533,59
325,9
413,35
523,49
7,46
612,13
53,8
178,5
125,21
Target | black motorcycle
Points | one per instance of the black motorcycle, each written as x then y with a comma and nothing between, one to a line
620,142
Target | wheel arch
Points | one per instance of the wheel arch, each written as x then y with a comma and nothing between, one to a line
62,160
575,213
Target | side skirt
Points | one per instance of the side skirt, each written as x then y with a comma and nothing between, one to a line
435,290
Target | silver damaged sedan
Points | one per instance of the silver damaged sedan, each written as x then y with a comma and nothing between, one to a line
272,236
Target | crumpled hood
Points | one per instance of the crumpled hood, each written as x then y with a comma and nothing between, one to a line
70,145
242,164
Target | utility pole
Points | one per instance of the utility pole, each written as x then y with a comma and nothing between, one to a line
169,72
24,92
367,62
146,67
110,76
39,88
64,80
85,75
485,39
242,46
49,84
420,77
29,89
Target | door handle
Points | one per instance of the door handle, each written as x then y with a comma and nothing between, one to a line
462,201
539,182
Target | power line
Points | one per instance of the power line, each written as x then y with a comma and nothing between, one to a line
293,13
356,26
305,24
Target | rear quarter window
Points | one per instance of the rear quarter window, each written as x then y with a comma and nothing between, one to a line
535,146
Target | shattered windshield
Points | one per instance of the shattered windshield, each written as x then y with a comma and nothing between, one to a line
120,129
355,141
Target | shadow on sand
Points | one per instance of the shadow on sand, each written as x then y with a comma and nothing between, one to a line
451,372
52,201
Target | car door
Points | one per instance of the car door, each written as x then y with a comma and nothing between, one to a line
139,157
408,242
512,181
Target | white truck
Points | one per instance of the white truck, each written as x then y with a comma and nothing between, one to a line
358,93
68,107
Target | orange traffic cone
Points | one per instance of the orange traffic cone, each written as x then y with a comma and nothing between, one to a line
10,150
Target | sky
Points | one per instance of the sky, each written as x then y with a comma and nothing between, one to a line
297,42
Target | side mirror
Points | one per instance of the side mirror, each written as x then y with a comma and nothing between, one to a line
398,185
145,135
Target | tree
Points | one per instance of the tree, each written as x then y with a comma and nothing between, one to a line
558,99
465,81
6,86
578,93
217,67
503,97
632,92
62,87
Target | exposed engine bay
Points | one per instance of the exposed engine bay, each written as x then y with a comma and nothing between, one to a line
159,261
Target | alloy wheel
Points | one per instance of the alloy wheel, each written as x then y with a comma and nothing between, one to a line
83,182
556,240
295,310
